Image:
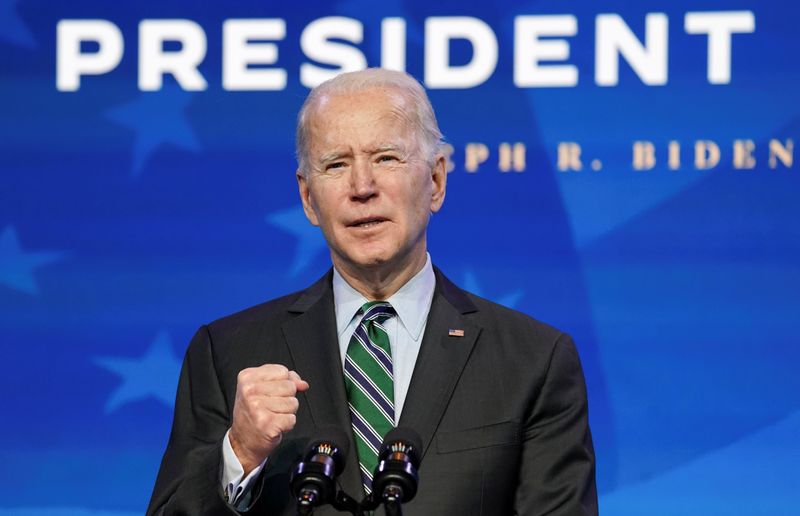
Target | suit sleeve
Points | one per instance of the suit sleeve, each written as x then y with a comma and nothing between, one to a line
188,481
557,470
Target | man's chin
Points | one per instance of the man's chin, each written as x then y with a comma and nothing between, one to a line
368,260
371,262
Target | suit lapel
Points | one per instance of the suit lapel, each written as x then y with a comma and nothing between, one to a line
441,359
313,343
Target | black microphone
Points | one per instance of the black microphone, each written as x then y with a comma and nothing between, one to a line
396,478
313,479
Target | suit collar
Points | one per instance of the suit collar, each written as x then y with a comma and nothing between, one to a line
313,294
454,295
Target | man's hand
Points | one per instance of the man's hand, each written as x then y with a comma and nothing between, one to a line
265,408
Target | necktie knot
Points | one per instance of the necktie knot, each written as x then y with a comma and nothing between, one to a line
376,311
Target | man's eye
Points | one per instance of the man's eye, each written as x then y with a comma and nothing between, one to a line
335,164
387,158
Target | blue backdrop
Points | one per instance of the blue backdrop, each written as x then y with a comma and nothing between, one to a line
129,217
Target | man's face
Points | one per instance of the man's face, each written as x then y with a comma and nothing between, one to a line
369,187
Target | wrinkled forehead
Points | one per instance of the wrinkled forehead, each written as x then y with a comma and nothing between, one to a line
376,115
371,98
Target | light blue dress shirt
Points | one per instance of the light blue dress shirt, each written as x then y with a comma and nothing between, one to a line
412,304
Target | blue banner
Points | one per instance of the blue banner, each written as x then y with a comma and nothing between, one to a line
624,171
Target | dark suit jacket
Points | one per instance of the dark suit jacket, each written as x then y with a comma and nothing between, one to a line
502,411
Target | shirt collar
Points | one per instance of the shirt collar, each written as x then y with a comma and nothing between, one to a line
412,302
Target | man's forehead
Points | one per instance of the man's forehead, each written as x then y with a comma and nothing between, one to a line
369,140
376,103
391,94
376,120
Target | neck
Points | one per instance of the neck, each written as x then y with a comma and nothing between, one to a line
380,282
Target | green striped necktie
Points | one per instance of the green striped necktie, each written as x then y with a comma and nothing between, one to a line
369,380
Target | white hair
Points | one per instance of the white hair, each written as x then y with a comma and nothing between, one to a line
420,115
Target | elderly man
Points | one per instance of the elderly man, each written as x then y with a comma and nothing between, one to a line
383,339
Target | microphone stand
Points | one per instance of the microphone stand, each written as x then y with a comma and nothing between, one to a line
342,503
345,502
306,502
393,501
393,509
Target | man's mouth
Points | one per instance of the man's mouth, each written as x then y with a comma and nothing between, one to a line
367,222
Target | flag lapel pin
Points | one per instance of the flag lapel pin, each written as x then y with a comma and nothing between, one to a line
455,333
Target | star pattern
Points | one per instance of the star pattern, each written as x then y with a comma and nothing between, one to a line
153,375
12,28
309,239
17,266
157,118
472,284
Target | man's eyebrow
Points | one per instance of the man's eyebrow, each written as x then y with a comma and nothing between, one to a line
337,155
332,156
388,147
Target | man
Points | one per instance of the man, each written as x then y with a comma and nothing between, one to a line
497,397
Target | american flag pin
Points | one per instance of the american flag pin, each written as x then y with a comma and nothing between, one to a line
455,333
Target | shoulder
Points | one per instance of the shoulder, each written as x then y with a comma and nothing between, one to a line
504,329
495,315
263,322
489,314
520,352
252,318
250,337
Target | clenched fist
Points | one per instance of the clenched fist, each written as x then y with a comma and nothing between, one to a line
265,408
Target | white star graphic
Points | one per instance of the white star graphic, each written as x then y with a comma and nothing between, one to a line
153,375
309,239
17,266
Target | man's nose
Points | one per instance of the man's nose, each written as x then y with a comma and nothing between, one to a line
362,180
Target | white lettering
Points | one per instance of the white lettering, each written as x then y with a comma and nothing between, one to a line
182,64
530,51
243,44
438,33
719,27
614,38
393,44
316,44
71,63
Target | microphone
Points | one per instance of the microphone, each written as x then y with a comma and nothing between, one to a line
396,478
313,479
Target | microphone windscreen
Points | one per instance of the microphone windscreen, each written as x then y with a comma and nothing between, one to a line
408,436
332,434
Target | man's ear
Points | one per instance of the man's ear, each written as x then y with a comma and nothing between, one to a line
439,179
305,198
